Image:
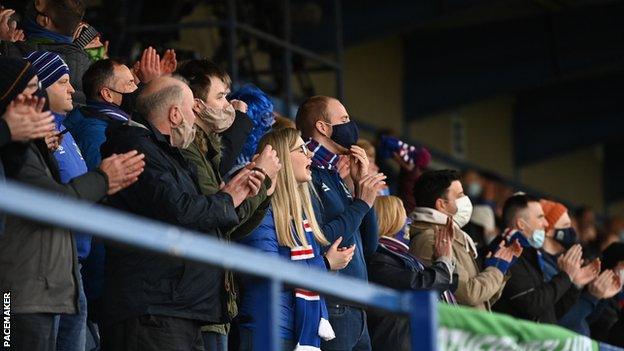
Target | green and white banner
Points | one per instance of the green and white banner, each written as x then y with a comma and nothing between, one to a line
468,329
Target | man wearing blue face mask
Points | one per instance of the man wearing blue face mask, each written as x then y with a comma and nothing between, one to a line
342,210
528,293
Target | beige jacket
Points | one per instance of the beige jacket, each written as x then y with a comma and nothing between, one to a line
475,288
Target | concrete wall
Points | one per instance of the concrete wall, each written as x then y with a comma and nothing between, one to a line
576,176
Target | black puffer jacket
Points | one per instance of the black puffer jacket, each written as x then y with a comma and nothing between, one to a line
140,282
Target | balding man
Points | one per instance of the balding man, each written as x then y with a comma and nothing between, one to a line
154,302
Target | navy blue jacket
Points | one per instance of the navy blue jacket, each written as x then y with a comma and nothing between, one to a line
339,214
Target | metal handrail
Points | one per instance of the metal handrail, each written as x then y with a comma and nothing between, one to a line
129,229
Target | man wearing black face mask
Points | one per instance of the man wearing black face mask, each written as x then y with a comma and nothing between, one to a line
325,124
110,90
560,236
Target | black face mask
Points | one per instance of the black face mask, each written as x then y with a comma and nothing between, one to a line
128,100
566,237
345,134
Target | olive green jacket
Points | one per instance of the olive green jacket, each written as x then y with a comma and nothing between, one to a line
205,153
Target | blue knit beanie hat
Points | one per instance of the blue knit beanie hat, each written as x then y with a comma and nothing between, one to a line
50,67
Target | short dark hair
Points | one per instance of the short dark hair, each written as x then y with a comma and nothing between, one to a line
313,109
433,185
97,76
515,204
65,14
198,73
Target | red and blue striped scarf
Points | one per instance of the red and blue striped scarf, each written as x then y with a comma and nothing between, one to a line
322,157
311,316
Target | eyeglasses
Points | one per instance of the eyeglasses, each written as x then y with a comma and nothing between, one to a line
36,86
301,148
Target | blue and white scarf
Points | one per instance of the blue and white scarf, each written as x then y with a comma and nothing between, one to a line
311,316
111,111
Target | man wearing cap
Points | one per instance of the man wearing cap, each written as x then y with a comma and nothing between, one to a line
38,265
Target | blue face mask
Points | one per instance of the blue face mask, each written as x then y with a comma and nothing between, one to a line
566,237
345,134
537,240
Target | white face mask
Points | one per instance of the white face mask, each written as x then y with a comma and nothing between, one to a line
464,211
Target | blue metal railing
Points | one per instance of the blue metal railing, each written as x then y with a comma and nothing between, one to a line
46,207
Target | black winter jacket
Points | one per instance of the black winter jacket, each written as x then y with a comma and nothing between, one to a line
140,282
528,296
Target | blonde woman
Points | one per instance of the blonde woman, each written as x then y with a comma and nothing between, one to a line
290,230
392,265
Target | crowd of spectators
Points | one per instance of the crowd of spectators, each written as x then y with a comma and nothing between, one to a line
170,141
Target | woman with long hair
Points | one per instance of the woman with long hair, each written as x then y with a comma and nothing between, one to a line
290,230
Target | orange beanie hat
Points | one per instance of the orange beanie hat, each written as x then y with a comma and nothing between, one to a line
552,211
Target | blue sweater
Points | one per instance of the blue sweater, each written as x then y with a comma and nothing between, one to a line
71,165
339,214
264,238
